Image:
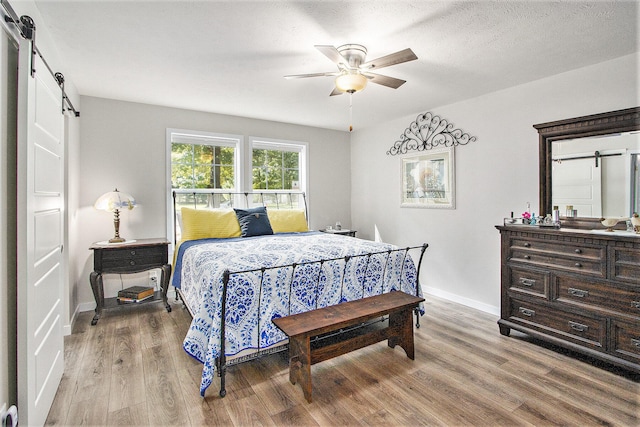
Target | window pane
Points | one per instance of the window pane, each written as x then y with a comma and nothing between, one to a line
275,169
181,176
203,154
226,177
290,160
181,153
202,166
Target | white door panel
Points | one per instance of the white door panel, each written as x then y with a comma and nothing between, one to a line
47,178
47,234
40,236
578,182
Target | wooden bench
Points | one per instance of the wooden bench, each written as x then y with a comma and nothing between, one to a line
302,327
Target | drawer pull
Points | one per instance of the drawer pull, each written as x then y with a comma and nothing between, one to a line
578,292
527,312
635,304
577,265
578,251
635,342
527,245
578,326
132,262
133,253
527,282
526,257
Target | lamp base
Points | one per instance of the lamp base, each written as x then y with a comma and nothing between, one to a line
117,240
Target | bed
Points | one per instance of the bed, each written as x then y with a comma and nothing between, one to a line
246,275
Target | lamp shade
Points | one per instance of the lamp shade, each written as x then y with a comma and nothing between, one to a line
115,200
351,82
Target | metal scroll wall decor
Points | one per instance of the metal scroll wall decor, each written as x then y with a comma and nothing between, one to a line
429,131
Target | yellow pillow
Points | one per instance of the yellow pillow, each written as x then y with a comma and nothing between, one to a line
287,220
209,223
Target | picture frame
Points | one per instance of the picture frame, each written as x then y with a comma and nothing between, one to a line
428,180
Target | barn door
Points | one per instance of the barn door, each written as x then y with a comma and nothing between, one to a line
578,182
40,236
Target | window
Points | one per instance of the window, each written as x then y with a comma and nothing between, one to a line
203,161
210,164
277,165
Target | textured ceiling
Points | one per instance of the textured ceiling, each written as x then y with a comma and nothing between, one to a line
230,57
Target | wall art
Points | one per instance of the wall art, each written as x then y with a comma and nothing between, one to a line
427,132
428,180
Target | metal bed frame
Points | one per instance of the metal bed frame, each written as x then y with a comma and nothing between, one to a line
221,362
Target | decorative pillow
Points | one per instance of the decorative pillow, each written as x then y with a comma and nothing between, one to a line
209,223
254,221
287,220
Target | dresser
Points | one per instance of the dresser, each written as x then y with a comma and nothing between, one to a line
578,289
125,258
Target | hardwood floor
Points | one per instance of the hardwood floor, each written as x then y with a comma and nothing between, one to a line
130,369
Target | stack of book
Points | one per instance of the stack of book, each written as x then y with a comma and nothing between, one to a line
134,294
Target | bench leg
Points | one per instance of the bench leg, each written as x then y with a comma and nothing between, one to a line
401,322
300,364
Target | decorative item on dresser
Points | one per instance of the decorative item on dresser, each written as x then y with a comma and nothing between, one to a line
129,257
578,289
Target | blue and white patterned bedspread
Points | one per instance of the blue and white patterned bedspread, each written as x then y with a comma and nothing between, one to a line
251,307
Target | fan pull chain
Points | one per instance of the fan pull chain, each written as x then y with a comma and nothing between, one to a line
350,111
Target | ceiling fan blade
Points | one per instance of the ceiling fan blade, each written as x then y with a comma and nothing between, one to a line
391,82
392,59
335,92
302,76
332,53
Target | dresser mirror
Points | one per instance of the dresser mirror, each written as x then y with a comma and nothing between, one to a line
594,162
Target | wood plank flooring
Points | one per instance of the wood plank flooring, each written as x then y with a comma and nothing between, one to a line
130,369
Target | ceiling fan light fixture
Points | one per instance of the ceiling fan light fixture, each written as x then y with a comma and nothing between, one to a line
351,82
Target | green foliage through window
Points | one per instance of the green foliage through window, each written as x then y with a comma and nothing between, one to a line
202,166
275,169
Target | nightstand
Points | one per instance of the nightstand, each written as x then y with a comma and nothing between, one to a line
351,233
124,258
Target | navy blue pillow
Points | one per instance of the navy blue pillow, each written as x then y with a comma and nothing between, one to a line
254,221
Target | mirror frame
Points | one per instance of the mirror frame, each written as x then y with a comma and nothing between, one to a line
579,127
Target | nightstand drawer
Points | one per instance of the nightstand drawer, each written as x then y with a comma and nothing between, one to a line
106,260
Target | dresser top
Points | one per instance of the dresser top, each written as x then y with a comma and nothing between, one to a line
616,235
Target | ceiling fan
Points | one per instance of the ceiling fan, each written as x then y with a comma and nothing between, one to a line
353,72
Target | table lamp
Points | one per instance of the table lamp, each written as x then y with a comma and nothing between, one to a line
113,201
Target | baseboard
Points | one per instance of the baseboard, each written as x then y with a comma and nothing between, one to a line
67,329
462,300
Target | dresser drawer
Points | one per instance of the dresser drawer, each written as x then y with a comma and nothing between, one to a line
549,260
626,265
529,281
626,340
585,330
587,252
594,295
575,257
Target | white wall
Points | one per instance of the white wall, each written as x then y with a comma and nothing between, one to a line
123,146
495,175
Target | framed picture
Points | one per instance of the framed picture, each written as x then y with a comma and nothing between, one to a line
428,180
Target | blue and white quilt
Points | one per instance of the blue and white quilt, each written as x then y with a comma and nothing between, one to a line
255,298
